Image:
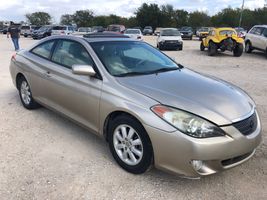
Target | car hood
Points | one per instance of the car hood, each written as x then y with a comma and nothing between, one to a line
216,100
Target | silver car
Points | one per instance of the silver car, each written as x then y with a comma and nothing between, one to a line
151,110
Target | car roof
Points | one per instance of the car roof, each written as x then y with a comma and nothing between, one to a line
105,35
264,26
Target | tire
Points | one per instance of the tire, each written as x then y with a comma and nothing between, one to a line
191,38
160,47
26,95
134,158
180,48
202,47
212,49
248,47
238,51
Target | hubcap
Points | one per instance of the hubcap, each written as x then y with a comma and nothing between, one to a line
127,144
25,92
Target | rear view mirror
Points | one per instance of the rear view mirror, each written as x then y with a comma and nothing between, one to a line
83,70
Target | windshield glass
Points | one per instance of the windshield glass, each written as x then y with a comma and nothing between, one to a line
43,28
204,30
60,28
170,32
186,29
83,29
132,32
227,32
127,58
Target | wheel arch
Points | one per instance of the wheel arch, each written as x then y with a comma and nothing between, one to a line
19,76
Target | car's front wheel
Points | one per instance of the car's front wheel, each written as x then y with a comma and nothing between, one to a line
248,47
202,47
26,94
238,50
212,49
130,144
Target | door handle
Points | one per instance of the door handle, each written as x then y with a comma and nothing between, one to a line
47,74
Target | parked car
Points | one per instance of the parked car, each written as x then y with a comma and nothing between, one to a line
169,38
151,110
241,32
24,28
42,32
31,30
62,30
256,38
202,32
116,28
148,30
98,29
222,39
187,32
157,31
82,31
134,33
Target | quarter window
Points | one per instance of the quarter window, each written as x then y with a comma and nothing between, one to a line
69,53
44,49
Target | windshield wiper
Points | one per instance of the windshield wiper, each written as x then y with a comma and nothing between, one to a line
165,69
131,74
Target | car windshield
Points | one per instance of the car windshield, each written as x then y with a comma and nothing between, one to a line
204,30
60,28
83,29
148,27
131,58
170,32
43,28
132,32
186,29
227,32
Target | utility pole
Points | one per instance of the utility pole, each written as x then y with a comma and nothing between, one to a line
241,14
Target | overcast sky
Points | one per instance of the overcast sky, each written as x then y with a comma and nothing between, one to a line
15,10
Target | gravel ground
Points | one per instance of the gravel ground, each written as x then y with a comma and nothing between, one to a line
45,156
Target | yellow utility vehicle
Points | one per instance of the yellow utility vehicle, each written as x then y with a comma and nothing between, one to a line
222,39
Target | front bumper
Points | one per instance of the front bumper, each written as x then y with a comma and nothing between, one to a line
175,151
171,44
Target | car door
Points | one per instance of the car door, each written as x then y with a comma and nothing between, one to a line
76,96
263,40
257,38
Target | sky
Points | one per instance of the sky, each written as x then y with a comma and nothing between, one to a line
15,10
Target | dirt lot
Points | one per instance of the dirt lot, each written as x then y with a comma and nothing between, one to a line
45,156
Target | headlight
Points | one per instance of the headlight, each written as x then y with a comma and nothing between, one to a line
162,41
188,123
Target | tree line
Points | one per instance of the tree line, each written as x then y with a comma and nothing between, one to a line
158,16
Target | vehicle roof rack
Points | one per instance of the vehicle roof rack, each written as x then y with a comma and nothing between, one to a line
105,35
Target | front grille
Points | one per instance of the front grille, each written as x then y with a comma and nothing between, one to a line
235,159
171,41
247,126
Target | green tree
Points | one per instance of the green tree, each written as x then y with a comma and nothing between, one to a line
148,15
167,16
66,19
38,18
198,19
83,18
181,18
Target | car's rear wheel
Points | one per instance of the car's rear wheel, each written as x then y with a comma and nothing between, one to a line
130,144
212,49
238,50
248,47
26,94
180,48
202,47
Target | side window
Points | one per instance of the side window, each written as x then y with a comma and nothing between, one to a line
43,49
252,31
68,53
265,32
258,31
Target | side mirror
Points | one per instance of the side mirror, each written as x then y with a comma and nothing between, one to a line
83,70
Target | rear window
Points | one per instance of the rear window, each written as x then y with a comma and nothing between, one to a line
132,32
227,32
